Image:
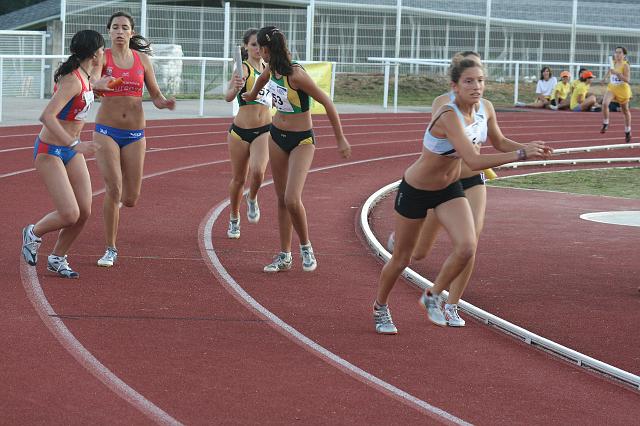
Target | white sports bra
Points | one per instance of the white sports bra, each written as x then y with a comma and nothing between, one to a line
476,132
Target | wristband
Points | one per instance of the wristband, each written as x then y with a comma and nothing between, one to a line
74,143
522,154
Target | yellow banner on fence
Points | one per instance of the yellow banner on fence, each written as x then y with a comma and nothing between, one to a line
320,72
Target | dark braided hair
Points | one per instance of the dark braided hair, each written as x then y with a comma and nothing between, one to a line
280,57
245,40
137,42
84,44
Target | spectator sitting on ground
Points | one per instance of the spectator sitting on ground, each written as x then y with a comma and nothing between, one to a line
545,86
560,97
581,99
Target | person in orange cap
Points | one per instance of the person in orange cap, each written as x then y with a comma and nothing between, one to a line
581,99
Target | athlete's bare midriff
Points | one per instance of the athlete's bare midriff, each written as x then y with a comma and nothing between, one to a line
252,116
293,122
433,172
121,112
73,128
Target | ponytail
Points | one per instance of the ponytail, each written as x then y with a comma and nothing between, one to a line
140,44
67,67
84,44
280,57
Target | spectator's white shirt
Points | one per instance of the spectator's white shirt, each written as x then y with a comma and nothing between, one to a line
545,87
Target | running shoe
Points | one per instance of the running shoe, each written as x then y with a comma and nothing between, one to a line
452,317
109,258
30,245
253,210
604,128
281,262
308,258
60,266
432,305
627,137
383,321
391,242
234,228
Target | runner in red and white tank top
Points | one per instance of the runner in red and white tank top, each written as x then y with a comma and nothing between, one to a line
120,123
133,78
58,154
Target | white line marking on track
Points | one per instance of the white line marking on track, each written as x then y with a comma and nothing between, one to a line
68,341
362,375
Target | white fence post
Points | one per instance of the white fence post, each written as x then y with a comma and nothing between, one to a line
385,99
143,18
1,80
43,64
63,20
226,41
397,69
203,69
515,83
574,22
311,11
487,31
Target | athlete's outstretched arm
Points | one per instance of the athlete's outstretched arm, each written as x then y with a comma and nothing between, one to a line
261,81
150,81
301,80
498,139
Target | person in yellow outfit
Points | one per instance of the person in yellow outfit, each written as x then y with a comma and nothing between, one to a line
619,90
581,99
560,98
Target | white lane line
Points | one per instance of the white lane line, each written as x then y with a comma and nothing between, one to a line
206,244
68,341
31,283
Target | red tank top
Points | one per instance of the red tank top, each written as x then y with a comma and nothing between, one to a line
78,107
133,78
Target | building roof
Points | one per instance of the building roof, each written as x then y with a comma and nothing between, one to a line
29,16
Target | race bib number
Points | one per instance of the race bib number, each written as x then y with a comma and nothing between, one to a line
281,99
615,79
265,95
88,100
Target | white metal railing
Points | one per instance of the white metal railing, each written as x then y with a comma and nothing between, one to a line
489,319
202,60
396,62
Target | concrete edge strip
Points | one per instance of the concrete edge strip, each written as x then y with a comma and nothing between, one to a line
490,319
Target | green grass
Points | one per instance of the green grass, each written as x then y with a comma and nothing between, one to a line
420,90
624,183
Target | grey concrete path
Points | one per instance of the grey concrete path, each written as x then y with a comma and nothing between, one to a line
20,111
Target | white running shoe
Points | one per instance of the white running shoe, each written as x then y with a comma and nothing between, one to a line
234,228
253,210
308,258
434,310
391,242
281,262
452,317
60,266
382,318
109,258
30,245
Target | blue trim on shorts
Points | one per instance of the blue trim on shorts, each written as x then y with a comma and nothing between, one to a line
122,137
64,153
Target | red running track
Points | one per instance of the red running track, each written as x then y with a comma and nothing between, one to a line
177,336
